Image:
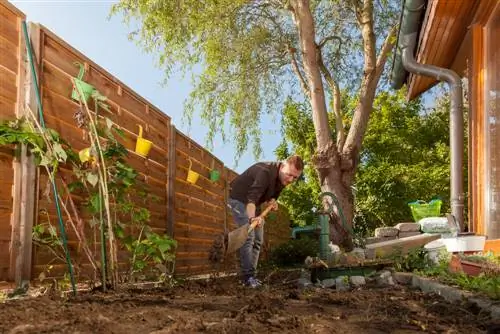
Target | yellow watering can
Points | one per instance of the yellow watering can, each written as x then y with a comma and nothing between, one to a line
192,176
142,146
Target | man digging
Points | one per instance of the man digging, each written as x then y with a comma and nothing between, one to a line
260,183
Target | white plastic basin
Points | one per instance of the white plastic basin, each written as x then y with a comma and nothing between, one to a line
470,243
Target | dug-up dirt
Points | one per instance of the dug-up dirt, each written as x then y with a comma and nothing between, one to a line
224,306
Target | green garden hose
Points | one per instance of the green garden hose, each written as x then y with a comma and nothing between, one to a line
42,122
339,208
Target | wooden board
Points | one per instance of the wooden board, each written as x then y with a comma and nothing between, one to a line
403,246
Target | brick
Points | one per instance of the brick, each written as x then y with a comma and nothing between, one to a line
386,232
408,227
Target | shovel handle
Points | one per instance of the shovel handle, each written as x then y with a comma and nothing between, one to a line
262,215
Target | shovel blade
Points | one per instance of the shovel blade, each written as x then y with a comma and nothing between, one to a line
236,238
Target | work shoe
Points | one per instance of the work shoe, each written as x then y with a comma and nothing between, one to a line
253,283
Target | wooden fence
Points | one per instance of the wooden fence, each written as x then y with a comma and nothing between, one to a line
11,90
193,214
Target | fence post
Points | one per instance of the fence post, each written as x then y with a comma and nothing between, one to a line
171,182
226,196
27,171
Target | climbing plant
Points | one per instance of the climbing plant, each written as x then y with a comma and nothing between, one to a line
111,189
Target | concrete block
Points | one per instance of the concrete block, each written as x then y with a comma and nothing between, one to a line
342,283
358,280
402,278
385,278
408,227
328,283
386,232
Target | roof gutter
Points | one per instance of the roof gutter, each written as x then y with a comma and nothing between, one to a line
407,40
411,16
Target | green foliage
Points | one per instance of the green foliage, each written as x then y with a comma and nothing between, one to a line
301,196
125,191
240,53
415,259
155,249
487,283
294,251
418,261
20,131
405,157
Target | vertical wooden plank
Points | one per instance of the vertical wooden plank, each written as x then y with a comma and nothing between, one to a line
16,164
171,182
477,127
226,196
24,260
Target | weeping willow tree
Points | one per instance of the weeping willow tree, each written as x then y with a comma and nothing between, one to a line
249,56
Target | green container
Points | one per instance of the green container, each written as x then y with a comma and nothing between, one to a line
324,237
81,87
421,209
214,175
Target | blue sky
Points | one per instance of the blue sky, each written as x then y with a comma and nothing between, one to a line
84,24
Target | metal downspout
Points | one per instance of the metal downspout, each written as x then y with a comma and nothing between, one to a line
456,120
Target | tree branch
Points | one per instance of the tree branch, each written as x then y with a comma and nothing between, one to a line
329,38
337,110
367,95
296,69
364,14
386,49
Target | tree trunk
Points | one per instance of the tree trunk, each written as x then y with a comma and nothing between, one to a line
327,160
305,25
336,165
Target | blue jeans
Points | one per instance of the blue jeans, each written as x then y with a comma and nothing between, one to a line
249,252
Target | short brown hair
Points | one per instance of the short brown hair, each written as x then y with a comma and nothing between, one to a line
296,162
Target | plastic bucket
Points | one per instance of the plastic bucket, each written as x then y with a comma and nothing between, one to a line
214,175
436,251
192,176
142,146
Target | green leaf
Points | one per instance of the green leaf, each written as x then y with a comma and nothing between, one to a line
120,233
45,161
52,231
164,247
59,152
92,178
109,123
95,203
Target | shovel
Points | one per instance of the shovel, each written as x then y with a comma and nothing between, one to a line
232,241
236,238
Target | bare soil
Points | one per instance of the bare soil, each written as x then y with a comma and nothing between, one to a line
224,306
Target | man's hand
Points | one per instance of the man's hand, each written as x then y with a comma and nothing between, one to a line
273,204
259,221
